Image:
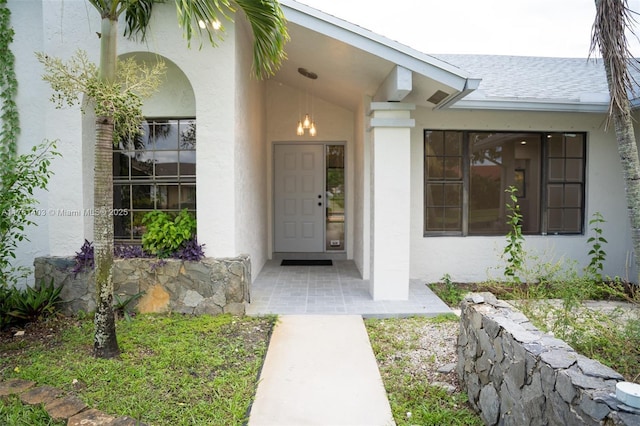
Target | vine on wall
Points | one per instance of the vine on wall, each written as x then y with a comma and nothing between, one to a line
8,88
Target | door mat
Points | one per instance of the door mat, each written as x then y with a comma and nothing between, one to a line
306,262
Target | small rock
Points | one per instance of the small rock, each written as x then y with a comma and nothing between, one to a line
447,368
476,298
446,386
19,333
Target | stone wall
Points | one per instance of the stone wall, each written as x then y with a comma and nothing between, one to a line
210,286
514,374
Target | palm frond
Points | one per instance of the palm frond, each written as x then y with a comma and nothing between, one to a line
614,20
270,34
199,15
137,14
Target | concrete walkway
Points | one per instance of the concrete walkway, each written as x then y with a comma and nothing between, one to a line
320,370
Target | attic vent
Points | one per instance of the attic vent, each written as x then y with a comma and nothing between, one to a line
438,97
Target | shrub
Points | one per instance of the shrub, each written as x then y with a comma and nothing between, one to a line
30,304
20,177
166,234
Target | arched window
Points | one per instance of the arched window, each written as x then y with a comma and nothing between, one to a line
154,171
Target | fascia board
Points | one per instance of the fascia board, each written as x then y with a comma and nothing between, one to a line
514,105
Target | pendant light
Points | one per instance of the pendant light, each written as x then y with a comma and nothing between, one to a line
307,123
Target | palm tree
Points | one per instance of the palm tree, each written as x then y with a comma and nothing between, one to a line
613,19
270,34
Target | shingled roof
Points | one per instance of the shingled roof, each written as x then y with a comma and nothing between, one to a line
534,83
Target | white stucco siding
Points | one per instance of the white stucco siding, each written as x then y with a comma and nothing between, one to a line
469,259
26,19
335,125
361,167
250,155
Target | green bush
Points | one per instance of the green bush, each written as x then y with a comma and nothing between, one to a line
31,304
166,234
20,176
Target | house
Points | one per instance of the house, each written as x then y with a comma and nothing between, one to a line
405,176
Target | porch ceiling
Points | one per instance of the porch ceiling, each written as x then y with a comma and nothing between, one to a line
352,62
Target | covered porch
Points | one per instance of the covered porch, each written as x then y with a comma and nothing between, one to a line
336,289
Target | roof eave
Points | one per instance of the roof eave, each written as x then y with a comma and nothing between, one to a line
531,105
376,44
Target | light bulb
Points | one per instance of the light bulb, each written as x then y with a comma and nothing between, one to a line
202,24
307,121
300,129
216,25
312,129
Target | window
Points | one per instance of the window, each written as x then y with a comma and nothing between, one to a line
154,171
467,173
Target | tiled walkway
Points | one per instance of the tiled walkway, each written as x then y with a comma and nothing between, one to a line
336,289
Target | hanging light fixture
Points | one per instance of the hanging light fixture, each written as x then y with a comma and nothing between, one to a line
307,122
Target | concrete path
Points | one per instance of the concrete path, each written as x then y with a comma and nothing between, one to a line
320,370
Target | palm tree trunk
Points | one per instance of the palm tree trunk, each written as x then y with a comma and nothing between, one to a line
628,152
105,343
613,19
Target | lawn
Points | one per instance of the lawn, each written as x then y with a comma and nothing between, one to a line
174,370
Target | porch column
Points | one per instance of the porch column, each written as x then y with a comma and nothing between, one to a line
391,125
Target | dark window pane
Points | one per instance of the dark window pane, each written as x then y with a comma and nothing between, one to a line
143,196
435,195
556,169
453,168
555,196
573,196
120,165
187,134
554,220
188,198
187,163
138,229
435,168
167,197
121,197
574,170
453,195
572,220
122,226
165,135
142,165
435,144
575,146
555,145
452,219
166,163
453,144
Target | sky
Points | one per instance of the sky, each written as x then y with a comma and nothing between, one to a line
549,28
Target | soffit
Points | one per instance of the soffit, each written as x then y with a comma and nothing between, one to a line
352,62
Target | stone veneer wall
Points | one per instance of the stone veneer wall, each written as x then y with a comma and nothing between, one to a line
516,375
210,286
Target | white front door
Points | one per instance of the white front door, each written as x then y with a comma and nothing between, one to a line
299,198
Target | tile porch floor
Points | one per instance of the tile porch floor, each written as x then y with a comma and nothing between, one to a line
336,289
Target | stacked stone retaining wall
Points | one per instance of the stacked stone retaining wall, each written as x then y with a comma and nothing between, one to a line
209,286
515,374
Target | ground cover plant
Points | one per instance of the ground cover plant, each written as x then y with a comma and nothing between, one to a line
173,370
409,352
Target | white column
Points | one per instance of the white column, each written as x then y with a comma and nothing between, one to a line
391,125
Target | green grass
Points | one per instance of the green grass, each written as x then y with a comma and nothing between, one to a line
14,413
174,370
414,401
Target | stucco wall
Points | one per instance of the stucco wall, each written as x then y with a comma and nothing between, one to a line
250,155
26,17
469,259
